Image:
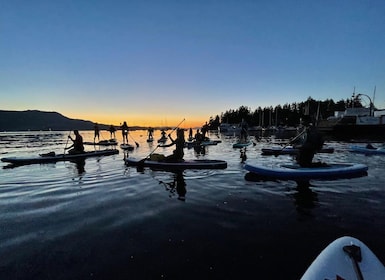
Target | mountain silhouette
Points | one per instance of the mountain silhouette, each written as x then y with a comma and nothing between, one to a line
40,120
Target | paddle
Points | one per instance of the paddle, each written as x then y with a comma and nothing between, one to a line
177,126
136,143
276,153
354,253
68,137
141,162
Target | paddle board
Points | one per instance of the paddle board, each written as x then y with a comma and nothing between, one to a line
185,164
296,172
367,151
346,258
241,145
52,157
162,140
110,142
127,147
290,150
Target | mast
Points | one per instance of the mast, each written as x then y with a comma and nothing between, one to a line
318,112
374,94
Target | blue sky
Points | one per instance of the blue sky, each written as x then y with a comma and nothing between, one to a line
157,62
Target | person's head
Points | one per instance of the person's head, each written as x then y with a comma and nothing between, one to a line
76,132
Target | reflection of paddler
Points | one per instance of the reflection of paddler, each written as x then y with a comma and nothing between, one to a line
80,164
180,185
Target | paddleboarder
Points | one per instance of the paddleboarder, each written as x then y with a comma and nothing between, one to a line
179,143
150,131
96,132
124,128
77,144
312,143
112,130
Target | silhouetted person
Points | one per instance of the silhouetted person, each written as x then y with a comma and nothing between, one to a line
150,131
311,144
198,137
179,143
77,144
124,128
96,132
112,130
204,130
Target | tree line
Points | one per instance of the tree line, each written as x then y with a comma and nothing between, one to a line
284,115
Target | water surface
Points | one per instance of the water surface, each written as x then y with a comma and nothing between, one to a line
104,220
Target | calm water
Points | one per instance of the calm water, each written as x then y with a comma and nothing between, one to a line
109,221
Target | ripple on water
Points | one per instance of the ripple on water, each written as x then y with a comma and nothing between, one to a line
106,207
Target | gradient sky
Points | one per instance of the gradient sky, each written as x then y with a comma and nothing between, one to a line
156,62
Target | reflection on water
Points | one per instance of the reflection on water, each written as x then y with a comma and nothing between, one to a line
177,185
305,198
100,219
80,166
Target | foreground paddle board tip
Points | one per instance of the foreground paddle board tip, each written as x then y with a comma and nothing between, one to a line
334,262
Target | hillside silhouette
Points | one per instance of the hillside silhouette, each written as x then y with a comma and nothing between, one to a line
40,120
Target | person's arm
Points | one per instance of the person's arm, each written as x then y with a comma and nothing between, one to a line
169,136
169,145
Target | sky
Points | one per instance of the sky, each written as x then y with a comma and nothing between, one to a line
156,62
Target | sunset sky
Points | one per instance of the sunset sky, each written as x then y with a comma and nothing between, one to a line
155,62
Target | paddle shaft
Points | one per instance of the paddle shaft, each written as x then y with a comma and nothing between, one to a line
69,134
177,126
136,143
354,253
291,141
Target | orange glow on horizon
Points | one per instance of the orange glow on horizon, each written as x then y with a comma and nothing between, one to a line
143,122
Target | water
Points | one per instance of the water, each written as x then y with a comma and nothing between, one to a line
112,222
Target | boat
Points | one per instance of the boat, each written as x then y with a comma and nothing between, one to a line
290,150
319,171
181,165
367,150
52,157
242,144
127,147
110,142
229,129
355,122
345,258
